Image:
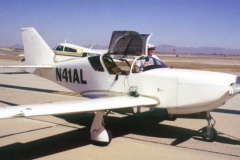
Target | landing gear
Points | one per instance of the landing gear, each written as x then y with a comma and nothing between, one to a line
209,134
170,117
100,135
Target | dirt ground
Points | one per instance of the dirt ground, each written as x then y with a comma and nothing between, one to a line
10,55
217,63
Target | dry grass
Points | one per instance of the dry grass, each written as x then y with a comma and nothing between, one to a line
11,57
217,63
207,67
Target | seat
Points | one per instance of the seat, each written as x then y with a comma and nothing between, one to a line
111,65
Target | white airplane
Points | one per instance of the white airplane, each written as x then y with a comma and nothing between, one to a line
67,51
178,91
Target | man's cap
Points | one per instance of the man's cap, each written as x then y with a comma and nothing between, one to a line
151,46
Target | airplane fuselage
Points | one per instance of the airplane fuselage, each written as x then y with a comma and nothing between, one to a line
180,91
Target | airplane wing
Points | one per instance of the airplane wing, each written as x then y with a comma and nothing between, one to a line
68,107
101,51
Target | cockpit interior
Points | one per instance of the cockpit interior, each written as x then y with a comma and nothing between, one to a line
125,66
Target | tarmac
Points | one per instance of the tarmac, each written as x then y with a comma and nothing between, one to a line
148,136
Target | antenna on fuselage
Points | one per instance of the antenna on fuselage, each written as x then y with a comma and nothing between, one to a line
65,40
91,46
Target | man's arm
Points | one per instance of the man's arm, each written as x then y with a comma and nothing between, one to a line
138,65
136,69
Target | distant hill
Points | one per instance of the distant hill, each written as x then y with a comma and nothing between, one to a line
169,49
16,46
204,50
96,46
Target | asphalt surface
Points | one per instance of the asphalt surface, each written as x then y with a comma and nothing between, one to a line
147,136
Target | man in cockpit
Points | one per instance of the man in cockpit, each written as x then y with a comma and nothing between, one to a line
140,64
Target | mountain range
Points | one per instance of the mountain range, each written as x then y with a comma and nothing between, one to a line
175,49
203,50
170,49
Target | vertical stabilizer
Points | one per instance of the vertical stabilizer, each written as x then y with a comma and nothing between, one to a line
36,51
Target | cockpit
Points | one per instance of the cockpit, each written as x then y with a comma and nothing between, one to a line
145,63
125,66
127,54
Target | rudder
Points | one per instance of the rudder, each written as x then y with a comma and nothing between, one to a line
36,51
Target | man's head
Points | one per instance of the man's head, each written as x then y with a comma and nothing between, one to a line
151,49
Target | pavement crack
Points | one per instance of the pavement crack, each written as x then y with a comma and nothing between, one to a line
24,132
55,124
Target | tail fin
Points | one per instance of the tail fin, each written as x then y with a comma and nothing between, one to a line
36,51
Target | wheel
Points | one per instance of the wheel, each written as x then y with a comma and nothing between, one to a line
109,135
212,137
98,143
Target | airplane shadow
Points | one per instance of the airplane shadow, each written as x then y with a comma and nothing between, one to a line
9,103
145,126
152,127
28,88
148,125
41,90
46,146
23,72
228,111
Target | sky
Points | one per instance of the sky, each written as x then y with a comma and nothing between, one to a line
182,23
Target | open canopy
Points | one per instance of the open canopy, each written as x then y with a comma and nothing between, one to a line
128,43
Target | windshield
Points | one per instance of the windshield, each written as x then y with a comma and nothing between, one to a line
146,63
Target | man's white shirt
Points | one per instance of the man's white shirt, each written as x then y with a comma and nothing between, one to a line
143,63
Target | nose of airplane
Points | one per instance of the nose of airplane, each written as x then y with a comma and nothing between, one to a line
235,87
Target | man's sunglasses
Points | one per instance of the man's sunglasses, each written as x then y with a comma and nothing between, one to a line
151,49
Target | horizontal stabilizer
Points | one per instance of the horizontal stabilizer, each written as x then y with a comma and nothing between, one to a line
68,107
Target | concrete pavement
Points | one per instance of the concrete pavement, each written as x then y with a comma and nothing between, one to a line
67,136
